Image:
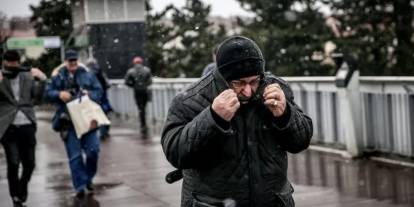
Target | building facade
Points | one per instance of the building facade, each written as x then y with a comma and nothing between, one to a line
113,32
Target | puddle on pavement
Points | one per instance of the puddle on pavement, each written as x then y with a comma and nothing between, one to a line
56,165
101,187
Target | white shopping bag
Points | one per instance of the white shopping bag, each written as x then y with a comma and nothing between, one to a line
83,112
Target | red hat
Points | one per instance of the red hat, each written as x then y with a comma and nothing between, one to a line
137,60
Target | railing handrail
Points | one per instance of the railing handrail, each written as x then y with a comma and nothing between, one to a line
388,79
303,79
159,80
364,79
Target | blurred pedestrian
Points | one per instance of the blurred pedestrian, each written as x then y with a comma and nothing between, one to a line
71,82
139,78
230,132
19,86
94,67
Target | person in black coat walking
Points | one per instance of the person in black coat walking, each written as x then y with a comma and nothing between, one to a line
230,132
20,89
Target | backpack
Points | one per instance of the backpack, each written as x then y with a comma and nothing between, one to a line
139,79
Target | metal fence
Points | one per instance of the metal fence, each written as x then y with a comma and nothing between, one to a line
387,109
388,114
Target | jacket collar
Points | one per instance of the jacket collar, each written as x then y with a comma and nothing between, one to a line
65,72
220,82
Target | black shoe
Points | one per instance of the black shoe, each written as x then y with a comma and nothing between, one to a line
144,131
23,198
23,194
90,188
80,194
17,202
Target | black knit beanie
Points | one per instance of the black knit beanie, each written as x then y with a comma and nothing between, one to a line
239,57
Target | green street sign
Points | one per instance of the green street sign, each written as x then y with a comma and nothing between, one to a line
21,43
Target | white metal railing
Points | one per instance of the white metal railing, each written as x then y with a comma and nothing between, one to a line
387,108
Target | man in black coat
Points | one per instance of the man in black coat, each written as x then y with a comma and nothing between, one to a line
230,133
20,88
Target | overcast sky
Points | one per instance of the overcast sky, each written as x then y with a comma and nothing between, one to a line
219,8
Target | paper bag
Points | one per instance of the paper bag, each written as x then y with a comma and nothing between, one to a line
83,111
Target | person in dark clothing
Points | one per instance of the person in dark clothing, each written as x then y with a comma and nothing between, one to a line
230,132
20,88
139,78
104,102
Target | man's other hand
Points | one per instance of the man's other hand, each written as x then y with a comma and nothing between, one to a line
226,104
275,99
65,96
37,73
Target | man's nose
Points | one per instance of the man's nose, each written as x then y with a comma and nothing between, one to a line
247,90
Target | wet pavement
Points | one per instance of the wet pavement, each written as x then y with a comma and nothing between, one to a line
132,170
365,182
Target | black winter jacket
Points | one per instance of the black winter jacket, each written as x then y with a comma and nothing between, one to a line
245,164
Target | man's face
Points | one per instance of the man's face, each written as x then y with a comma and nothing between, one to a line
72,65
245,88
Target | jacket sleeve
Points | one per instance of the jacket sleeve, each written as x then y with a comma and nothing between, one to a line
129,78
52,90
184,138
295,127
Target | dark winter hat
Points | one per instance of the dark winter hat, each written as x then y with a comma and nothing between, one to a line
239,57
71,55
11,56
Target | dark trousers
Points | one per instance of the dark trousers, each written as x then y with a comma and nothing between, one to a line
19,145
141,99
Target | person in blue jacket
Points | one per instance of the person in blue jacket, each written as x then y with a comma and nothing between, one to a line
71,82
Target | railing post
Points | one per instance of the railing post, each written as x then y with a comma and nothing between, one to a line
347,81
